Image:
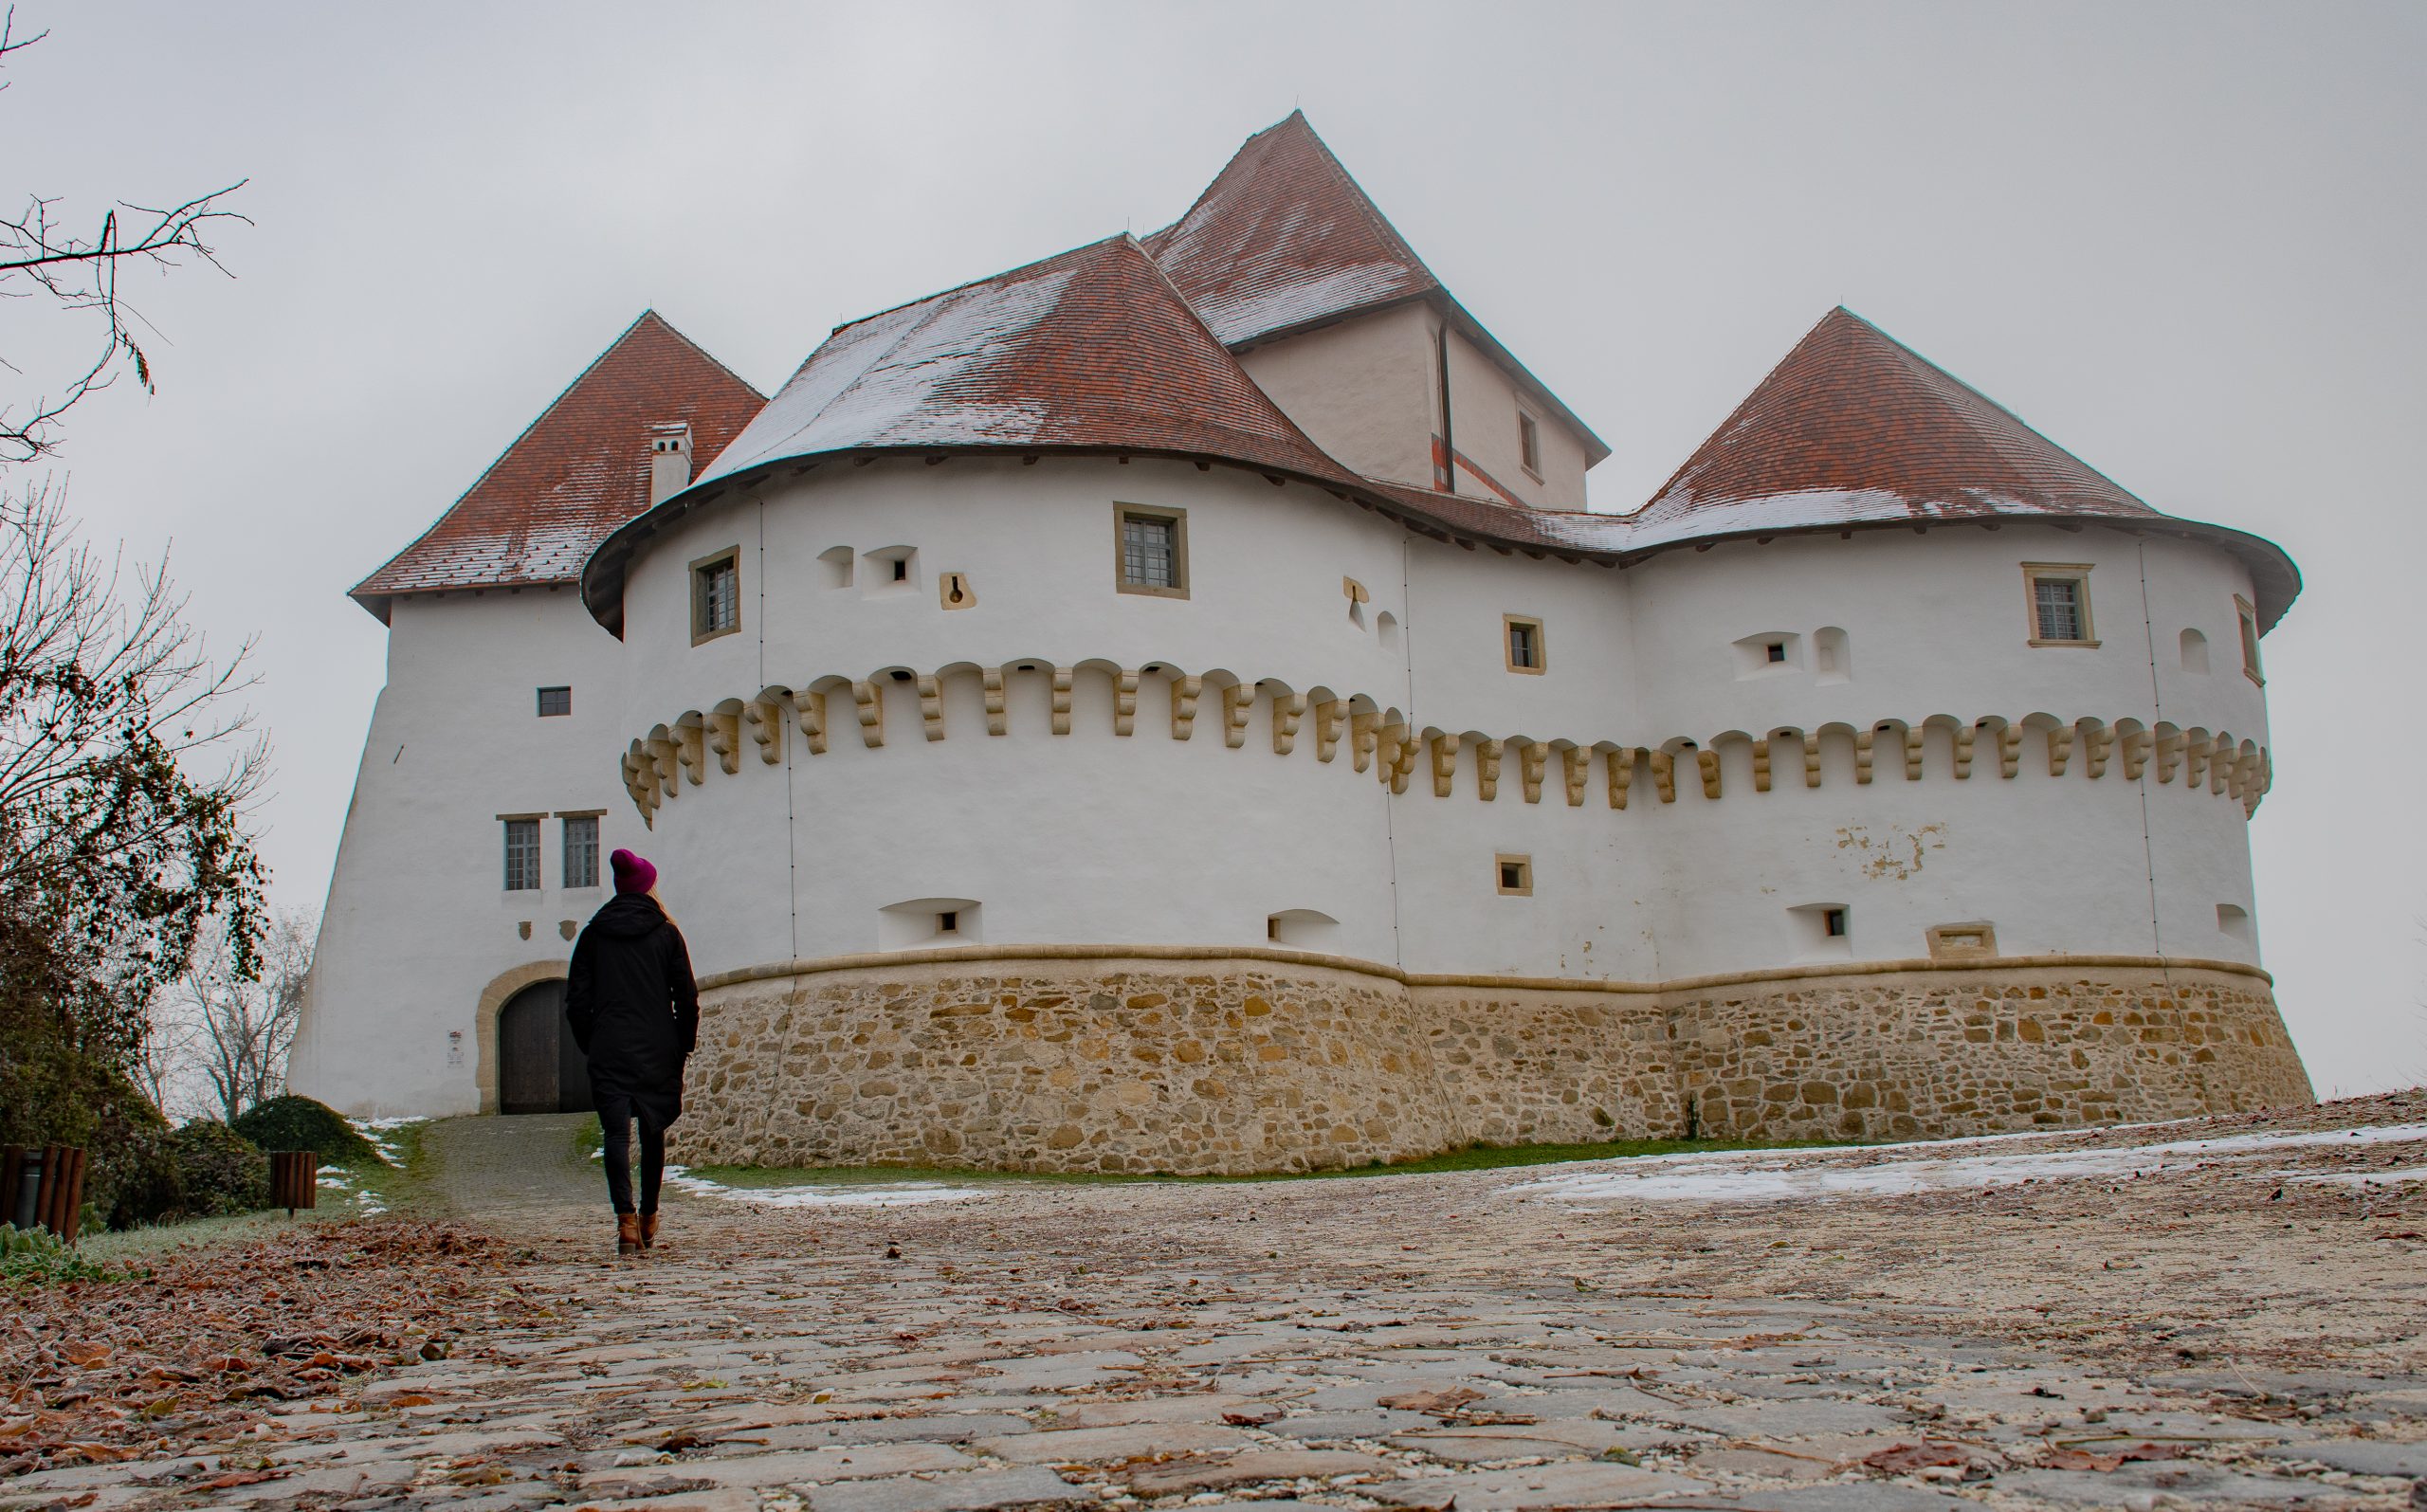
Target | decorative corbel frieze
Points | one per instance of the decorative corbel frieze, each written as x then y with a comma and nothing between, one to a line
809,708
1444,764
1963,735
1185,692
999,719
1531,758
1288,709
1238,701
2098,742
1062,676
766,718
1664,775
1709,762
931,706
1576,765
2009,750
1863,741
1811,759
870,701
2136,746
1364,731
1331,716
1488,755
1124,702
1620,766
2060,750
1762,765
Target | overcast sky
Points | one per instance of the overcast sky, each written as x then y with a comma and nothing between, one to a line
2183,240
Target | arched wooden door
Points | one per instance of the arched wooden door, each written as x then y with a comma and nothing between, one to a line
539,1067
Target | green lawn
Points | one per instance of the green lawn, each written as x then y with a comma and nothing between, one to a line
391,1185
1474,1157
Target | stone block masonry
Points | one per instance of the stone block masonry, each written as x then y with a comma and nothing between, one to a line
1201,1062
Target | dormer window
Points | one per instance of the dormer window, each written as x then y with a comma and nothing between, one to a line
715,595
2058,602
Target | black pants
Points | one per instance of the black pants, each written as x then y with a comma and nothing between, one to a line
616,1116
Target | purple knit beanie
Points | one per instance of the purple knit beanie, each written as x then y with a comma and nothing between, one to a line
632,874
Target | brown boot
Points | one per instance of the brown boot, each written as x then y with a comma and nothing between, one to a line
628,1234
648,1231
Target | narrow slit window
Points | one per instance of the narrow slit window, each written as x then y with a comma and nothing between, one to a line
522,855
581,850
1530,443
2248,617
555,702
901,568
1524,646
1150,549
2058,603
716,595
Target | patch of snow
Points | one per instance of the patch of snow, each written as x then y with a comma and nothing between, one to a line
1770,1176
871,1195
378,1132
2368,1178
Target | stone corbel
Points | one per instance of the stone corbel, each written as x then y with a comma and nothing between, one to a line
2221,767
870,699
1488,755
1288,709
1963,735
2009,750
1664,775
1621,767
1404,767
1185,692
1709,762
2169,752
666,759
2137,745
2195,766
1124,702
1364,731
2099,743
1330,716
1762,765
1444,764
1238,701
1863,742
1913,747
724,739
1062,701
1531,758
691,750
2060,750
1811,759
811,710
1576,765
766,718
931,706
999,719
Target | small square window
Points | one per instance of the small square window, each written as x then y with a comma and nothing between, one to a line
2249,619
1515,875
581,850
716,595
901,569
1529,444
1150,551
555,702
1832,923
948,922
2058,603
1523,644
522,855
1775,651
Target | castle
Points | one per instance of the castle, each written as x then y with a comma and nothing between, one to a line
1166,708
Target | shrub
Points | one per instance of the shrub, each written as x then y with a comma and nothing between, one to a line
293,1122
219,1171
35,1257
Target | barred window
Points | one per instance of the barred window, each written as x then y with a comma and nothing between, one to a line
716,595
555,702
1151,551
522,855
2060,610
581,850
2059,603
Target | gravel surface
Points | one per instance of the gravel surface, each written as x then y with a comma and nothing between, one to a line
2236,1324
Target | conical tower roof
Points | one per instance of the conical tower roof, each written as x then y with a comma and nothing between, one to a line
580,470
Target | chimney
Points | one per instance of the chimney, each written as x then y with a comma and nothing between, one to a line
669,460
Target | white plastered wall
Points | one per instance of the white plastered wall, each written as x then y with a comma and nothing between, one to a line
1362,388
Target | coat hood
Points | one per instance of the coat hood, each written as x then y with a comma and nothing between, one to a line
629,916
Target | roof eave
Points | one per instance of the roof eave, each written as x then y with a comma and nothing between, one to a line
1596,449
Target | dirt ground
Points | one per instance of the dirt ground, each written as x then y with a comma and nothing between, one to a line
2227,1312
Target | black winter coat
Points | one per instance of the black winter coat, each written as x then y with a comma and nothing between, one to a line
632,1006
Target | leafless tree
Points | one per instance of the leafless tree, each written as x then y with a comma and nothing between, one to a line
41,259
243,1026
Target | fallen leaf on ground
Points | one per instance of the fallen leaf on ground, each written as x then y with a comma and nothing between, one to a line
1448,1399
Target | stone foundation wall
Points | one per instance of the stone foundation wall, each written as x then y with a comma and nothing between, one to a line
1197,1062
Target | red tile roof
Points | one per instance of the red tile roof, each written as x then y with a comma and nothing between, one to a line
581,470
1092,351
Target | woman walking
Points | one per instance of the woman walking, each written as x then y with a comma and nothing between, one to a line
635,1011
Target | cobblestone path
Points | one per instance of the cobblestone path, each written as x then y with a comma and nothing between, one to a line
2200,1334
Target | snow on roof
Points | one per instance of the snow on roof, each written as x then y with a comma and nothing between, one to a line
580,470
